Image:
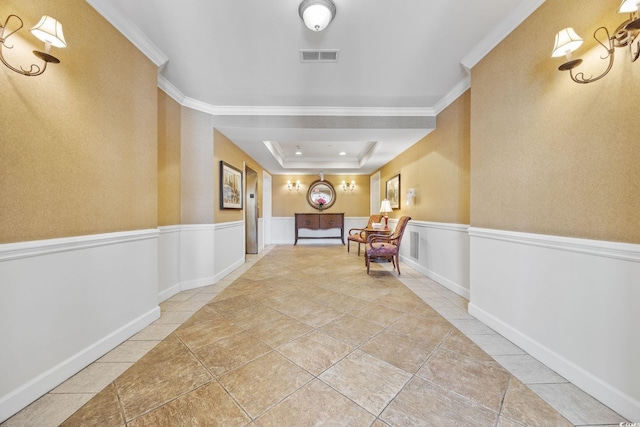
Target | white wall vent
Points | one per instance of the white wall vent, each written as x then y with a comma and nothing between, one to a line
319,55
414,245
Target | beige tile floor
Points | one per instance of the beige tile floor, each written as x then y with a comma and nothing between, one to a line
303,336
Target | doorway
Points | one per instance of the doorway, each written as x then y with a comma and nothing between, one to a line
251,211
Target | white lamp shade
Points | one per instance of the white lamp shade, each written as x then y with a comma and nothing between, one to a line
49,30
629,6
385,207
317,14
566,41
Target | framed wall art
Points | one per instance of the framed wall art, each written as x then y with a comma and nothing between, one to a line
393,192
230,187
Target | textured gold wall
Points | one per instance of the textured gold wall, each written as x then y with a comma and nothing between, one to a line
224,149
169,169
548,155
352,203
78,150
197,168
437,166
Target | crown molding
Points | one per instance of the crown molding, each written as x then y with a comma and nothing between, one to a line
130,31
500,32
244,110
170,89
453,94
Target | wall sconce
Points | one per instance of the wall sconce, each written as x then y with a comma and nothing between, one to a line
317,14
291,186
349,187
411,195
385,208
47,30
625,35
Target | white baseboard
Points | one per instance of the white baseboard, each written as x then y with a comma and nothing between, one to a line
583,379
452,286
168,293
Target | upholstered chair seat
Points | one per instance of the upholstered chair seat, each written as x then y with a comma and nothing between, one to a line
380,247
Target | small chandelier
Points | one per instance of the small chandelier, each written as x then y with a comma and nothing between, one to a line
625,35
47,30
317,14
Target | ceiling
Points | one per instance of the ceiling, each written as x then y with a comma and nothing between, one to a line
399,64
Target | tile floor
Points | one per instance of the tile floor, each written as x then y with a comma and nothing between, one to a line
302,336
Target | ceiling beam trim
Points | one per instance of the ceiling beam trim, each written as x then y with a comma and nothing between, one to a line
325,122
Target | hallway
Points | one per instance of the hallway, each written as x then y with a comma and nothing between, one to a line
303,336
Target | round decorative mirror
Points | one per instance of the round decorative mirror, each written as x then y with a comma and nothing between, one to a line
321,195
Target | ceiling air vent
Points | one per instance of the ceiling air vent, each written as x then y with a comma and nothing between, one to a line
319,55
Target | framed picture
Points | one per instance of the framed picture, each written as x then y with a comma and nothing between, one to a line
393,192
230,187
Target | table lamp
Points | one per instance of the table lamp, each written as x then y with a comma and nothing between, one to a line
385,208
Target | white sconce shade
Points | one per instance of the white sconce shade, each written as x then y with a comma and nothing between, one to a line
566,42
317,14
49,30
629,6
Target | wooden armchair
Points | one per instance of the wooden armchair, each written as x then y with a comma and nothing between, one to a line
386,247
359,235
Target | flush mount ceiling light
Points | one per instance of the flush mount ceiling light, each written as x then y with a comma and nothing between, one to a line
47,30
317,14
625,35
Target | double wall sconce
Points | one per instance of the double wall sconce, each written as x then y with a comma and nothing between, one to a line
317,14
625,35
291,186
351,186
47,30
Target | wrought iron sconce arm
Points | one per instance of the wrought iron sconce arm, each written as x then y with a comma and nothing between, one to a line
46,57
579,77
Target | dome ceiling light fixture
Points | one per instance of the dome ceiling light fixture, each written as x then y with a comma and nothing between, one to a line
317,14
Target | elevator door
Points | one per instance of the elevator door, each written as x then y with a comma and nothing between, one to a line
251,212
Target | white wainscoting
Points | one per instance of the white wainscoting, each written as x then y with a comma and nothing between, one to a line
443,252
66,302
570,303
192,256
261,235
168,262
229,248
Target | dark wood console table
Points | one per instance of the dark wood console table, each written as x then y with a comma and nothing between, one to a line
320,221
